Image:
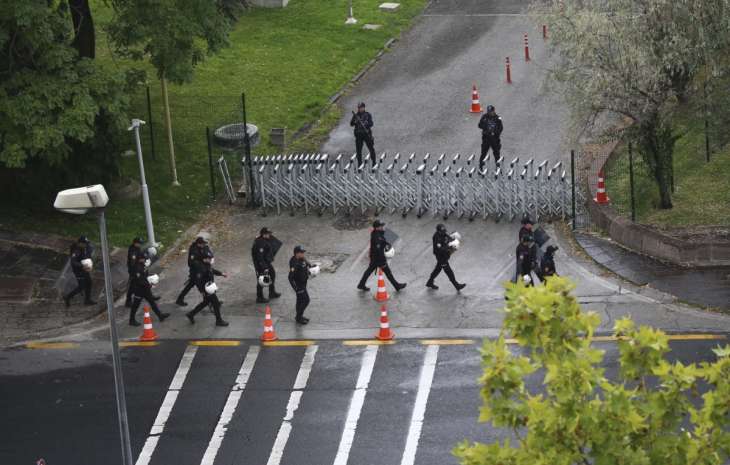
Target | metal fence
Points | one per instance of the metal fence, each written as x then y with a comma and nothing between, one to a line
447,186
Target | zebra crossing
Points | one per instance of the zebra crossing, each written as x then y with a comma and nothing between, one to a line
316,404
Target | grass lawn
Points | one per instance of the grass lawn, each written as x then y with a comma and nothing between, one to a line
288,61
702,190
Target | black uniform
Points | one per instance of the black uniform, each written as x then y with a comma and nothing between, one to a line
526,260
442,252
298,276
204,273
491,126
195,254
262,253
83,277
378,246
142,289
362,122
547,264
133,252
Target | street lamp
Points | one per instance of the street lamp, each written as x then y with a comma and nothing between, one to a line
136,123
78,201
350,18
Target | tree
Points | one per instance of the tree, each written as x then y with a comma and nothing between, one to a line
652,414
51,98
175,35
633,59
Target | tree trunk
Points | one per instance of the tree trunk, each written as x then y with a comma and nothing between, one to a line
84,36
168,125
656,143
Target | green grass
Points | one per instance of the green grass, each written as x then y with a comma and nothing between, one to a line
288,61
702,190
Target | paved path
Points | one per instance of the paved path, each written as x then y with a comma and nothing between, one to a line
325,403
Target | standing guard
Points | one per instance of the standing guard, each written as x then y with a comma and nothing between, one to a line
141,286
443,246
526,260
81,265
362,121
263,252
299,272
134,251
379,247
491,126
204,276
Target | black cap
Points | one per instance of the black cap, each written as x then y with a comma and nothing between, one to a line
200,240
440,227
264,231
361,105
378,224
299,249
490,108
137,240
84,239
526,220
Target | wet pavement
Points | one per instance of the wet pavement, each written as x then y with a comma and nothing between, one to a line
708,288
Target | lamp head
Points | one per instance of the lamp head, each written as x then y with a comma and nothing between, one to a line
79,200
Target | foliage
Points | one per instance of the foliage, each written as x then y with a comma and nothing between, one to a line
651,415
50,99
633,60
175,35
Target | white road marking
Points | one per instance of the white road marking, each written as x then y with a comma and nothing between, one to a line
356,403
231,404
419,408
167,404
277,452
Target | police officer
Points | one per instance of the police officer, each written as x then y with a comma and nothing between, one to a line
197,250
526,258
491,126
142,289
134,251
203,275
298,276
443,252
81,250
362,122
526,229
263,253
378,246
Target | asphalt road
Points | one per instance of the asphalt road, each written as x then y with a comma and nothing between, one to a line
247,404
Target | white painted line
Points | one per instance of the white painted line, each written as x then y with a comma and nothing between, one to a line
419,409
356,403
167,404
230,408
277,452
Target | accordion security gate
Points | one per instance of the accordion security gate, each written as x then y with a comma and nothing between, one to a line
447,186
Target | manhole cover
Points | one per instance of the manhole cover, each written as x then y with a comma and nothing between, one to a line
352,222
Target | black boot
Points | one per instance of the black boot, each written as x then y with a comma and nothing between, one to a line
459,286
190,317
272,293
133,322
432,285
67,301
221,322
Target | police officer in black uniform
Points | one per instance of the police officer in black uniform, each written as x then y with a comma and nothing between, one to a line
378,246
81,250
443,252
491,126
197,250
142,289
362,122
526,258
547,263
205,274
262,253
134,251
298,276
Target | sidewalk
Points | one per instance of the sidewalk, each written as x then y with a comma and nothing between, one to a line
709,288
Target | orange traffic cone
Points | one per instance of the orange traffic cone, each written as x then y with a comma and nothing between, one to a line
385,334
269,333
148,334
382,294
601,197
476,107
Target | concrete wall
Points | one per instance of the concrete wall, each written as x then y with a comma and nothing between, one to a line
651,242
270,3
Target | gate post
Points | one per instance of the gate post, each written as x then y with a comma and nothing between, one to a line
572,184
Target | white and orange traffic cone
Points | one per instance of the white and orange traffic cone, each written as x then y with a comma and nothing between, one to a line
269,333
476,107
601,197
148,334
385,334
382,294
